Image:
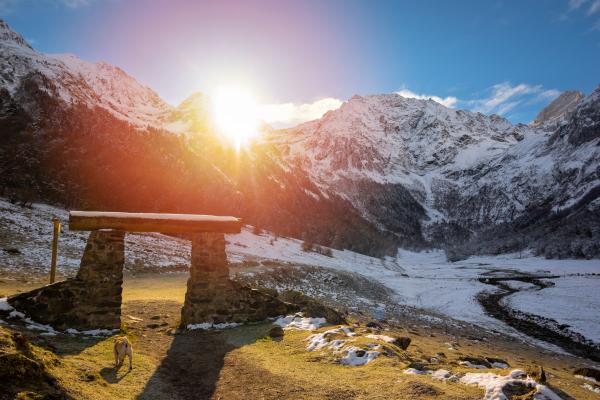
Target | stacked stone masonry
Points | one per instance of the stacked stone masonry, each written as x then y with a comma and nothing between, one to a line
92,300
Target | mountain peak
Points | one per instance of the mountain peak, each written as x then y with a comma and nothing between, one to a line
560,107
7,34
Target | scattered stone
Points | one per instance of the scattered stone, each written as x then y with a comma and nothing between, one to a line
403,342
155,317
310,307
475,361
418,389
276,332
493,360
589,373
537,373
21,342
152,326
373,324
518,390
18,368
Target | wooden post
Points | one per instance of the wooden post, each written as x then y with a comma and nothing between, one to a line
56,223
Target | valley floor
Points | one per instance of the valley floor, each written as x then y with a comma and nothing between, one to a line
444,307
241,363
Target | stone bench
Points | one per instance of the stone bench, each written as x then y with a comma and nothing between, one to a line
92,300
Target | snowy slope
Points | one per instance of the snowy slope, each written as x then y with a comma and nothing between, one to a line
423,164
75,80
424,280
389,139
29,231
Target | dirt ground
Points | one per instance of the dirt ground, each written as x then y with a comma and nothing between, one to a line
242,363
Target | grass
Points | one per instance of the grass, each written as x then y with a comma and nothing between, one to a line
252,365
90,373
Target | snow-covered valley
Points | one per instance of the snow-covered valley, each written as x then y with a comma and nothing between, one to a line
421,280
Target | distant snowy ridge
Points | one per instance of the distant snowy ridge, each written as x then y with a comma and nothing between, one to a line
94,84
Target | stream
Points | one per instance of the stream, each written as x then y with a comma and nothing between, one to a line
536,326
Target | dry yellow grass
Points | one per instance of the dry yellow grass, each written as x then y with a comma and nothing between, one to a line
241,364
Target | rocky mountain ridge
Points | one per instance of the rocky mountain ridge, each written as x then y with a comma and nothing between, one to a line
379,172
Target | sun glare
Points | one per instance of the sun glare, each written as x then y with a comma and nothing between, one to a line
236,114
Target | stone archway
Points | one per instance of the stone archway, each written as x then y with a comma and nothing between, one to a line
92,300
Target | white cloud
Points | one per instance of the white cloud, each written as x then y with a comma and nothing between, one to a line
285,115
76,3
575,4
449,101
504,97
9,6
595,7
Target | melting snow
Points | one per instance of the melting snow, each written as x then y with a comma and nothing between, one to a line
210,325
494,384
356,356
300,322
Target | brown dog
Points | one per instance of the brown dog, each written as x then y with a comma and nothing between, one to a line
123,348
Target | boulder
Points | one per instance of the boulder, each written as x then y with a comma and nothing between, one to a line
537,373
276,332
311,308
403,342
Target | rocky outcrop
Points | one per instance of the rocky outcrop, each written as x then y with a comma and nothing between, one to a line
584,124
91,300
560,108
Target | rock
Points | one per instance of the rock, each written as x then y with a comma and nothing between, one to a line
403,342
276,332
537,373
518,390
496,361
17,367
476,361
21,342
420,389
311,308
373,324
589,372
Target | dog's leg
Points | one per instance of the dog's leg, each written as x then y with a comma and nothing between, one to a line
130,355
116,358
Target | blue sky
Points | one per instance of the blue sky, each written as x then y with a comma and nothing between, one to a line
506,57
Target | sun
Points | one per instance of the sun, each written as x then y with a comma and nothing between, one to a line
236,114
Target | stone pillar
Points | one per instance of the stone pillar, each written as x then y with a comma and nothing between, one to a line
208,288
212,297
101,270
91,300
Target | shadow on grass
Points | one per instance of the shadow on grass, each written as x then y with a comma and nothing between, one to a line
194,362
111,375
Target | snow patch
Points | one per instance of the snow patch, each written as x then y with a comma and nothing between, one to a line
300,322
356,356
494,385
4,306
209,325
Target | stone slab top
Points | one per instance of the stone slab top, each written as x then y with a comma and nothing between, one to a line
153,222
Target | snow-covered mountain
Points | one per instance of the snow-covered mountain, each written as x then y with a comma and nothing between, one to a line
379,172
559,109
77,81
415,167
